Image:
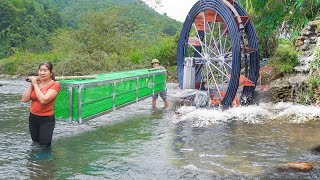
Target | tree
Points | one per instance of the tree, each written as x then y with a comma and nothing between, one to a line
26,25
275,19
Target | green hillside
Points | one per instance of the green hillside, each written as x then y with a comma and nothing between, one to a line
83,36
72,11
27,25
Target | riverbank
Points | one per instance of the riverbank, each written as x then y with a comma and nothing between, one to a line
6,76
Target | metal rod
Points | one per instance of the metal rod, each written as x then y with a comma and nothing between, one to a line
79,104
213,59
70,88
137,89
114,95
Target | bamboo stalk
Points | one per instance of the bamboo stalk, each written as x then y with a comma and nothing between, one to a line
68,78
74,77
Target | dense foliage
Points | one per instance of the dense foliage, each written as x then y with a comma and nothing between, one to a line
276,19
285,58
106,37
315,64
88,36
72,10
25,25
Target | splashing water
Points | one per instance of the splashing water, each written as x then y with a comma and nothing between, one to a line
254,114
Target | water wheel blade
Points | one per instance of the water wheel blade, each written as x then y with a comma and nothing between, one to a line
244,19
200,85
194,41
236,102
199,22
215,102
231,1
250,50
211,16
243,81
224,27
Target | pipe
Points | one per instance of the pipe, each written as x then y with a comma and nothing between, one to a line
235,12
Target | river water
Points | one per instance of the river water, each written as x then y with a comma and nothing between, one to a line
137,142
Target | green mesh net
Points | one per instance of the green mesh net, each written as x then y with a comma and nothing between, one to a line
81,99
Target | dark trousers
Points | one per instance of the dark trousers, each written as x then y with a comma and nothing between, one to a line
41,128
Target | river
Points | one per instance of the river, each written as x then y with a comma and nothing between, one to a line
137,142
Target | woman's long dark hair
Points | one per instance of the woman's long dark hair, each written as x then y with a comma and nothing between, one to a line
50,67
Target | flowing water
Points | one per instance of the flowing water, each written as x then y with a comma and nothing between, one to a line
137,142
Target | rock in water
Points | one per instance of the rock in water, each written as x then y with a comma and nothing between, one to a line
296,166
316,150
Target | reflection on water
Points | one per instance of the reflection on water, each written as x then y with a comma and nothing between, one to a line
136,142
38,153
248,150
41,164
104,150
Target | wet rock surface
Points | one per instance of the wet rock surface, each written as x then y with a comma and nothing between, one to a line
288,88
308,36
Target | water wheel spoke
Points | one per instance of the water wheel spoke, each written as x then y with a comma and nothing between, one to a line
194,48
198,35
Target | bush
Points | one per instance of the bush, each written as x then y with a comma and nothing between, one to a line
172,74
285,58
312,84
24,63
315,64
97,62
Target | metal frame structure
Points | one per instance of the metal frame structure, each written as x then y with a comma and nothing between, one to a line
117,97
220,40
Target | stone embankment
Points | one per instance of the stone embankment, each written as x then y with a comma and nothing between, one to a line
294,88
288,88
308,40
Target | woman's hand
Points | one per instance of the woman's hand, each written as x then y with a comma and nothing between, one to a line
26,96
34,80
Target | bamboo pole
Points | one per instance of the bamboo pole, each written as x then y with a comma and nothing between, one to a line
68,78
74,77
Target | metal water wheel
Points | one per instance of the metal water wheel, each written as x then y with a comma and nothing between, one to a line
218,41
